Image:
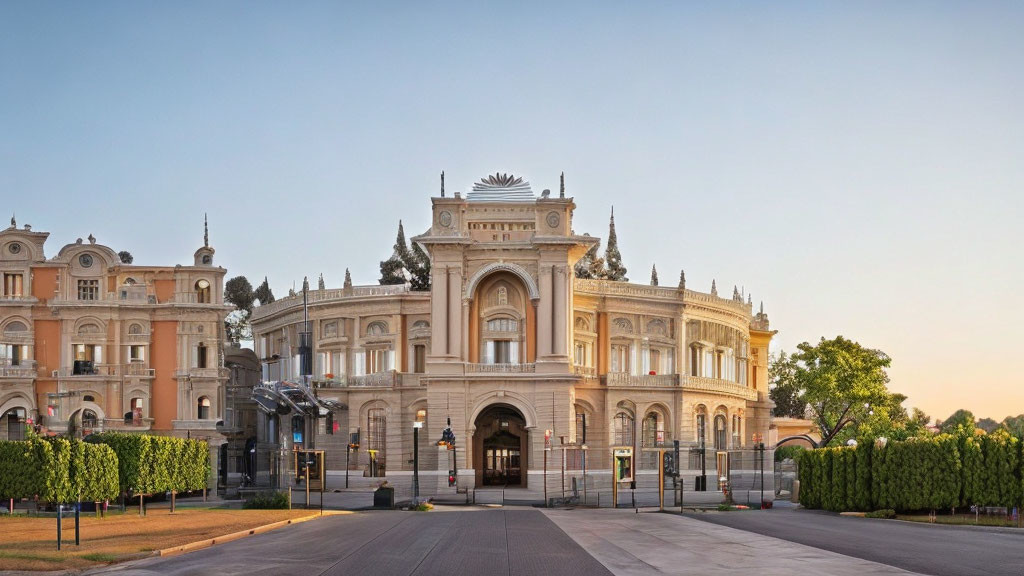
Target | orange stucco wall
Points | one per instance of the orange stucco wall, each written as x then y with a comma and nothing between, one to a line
164,360
164,290
44,283
47,353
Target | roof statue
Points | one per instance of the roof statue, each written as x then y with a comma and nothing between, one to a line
13,223
206,232
442,183
682,279
501,188
714,289
561,186
92,239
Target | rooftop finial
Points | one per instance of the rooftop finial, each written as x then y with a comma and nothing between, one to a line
206,232
561,186
750,300
714,289
761,311
305,283
320,283
654,275
92,239
442,183
682,279
348,279
13,222
736,293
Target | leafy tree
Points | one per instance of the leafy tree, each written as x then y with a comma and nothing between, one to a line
783,387
393,270
616,271
841,380
238,292
591,265
654,275
418,266
961,420
1014,425
263,294
125,257
988,425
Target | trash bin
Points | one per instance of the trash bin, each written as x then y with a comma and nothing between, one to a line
384,497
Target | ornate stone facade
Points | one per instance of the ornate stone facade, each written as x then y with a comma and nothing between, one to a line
509,348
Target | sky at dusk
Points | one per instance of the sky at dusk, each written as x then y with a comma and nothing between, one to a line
856,166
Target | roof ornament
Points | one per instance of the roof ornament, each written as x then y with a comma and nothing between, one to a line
761,311
13,222
561,186
736,294
714,289
348,279
92,239
750,300
682,279
320,284
206,232
442,183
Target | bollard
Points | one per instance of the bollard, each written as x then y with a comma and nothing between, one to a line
60,513
78,509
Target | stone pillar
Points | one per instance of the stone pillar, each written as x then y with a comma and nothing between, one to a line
544,314
438,312
454,311
560,295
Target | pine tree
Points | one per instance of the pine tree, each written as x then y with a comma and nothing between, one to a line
616,271
654,275
393,270
263,293
591,265
418,266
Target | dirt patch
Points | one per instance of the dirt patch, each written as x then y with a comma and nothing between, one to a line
31,543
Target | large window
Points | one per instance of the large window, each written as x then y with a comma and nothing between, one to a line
89,352
376,441
88,289
654,429
720,432
203,411
136,353
419,358
622,429
15,423
12,354
201,356
620,358
203,292
378,360
13,285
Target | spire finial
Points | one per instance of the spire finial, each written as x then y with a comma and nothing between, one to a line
761,311
654,275
561,186
682,279
305,283
348,279
750,300
714,289
320,283
206,231
442,183
14,223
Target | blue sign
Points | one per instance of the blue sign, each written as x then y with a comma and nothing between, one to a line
297,437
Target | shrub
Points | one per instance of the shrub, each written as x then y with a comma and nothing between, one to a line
57,470
153,464
886,513
267,501
788,452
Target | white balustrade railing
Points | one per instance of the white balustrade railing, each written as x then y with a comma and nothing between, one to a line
501,368
703,384
641,380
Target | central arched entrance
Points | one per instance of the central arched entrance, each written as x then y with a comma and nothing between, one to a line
500,446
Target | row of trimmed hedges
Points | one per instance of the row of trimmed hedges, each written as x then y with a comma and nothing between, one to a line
58,470
151,464
918,474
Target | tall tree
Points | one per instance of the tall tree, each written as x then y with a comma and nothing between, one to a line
393,270
842,383
125,257
961,420
616,270
783,388
1014,425
418,266
239,293
654,275
263,294
988,425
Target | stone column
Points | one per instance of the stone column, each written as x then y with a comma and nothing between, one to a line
544,314
439,312
560,295
454,311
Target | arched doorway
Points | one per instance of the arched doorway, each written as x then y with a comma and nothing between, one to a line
500,446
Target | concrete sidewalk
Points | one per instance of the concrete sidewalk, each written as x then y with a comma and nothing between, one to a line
631,544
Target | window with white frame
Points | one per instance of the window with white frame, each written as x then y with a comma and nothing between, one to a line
90,352
136,353
14,286
378,360
620,358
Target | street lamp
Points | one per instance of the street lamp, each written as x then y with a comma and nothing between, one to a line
416,461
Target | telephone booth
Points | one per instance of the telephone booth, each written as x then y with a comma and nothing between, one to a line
314,461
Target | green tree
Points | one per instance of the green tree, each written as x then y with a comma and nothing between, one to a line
783,388
960,421
616,270
1014,425
239,293
841,382
988,425
125,257
419,268
263,294
393,270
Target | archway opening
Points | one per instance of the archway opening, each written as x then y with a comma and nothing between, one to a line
500,446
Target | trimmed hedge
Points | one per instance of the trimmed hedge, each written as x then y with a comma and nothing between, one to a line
57,470
152,464
918,474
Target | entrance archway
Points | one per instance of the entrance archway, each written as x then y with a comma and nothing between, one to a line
500,447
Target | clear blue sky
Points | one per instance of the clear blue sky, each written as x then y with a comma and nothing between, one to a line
855,165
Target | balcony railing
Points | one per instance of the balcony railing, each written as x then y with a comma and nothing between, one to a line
96,371
641,380
588,371
326,295
137,369
202,373
702,384
476,368
25,369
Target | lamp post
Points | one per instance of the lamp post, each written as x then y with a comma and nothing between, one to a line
416,461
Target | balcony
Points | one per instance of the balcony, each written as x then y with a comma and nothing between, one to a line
477,368
586,371
624,380
716,386
88,370
137,369
202,373
24,369
390,379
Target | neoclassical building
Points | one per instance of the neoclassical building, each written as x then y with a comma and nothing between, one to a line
518,355
89,343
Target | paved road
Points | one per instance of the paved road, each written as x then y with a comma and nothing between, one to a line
923,548
514,542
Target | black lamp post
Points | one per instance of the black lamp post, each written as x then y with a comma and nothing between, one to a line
416,461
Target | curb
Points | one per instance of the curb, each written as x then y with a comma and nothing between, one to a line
199,545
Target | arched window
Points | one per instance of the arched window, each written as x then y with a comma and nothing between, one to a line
700,425
502,325
653,430
377,328
204,408
13,421
720,432
135,329
376,440
89,420
88,398
622,429
203,292
15,326
136,407
129,281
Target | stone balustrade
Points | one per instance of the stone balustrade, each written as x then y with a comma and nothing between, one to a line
328,295
714,385
620,379
26,369
479,368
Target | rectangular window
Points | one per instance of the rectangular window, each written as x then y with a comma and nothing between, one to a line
88,289
580,354
502,351
136,353
620,358
376,439
12,354
89,352
201,356
655,362
377,361
419,358
13,285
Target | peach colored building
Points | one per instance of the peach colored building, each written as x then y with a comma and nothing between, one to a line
89,343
